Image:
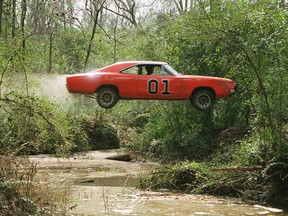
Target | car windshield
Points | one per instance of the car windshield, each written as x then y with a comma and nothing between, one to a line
168,69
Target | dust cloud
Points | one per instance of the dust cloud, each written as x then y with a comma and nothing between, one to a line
52,86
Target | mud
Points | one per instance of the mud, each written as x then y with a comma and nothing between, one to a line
107,187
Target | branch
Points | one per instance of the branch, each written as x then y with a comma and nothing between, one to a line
31,110
128,7
122,15
237,168
14,54
261,85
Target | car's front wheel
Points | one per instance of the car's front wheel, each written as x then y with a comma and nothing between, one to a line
202,99
107,97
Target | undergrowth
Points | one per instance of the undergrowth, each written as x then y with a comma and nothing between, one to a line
24,192
237,169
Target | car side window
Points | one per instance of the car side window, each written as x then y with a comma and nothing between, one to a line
155,70
132,70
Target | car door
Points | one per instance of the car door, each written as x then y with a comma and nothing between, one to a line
127,82
158,86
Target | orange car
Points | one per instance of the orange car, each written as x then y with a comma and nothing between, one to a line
149,80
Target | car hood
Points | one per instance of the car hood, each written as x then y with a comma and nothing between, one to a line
202,77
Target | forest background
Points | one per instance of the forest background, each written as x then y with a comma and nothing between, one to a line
245,40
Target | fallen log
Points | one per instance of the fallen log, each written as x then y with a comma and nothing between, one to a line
274,210
122,157
237,168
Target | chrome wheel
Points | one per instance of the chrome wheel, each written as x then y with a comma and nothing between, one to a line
202,99
107,97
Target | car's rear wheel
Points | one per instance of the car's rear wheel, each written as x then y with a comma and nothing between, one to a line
202,99
107,97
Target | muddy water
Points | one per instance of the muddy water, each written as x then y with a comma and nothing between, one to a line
106,187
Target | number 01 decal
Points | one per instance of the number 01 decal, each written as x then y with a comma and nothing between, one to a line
153,87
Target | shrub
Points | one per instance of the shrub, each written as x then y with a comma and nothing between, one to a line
175,131
31,125
184,176
77,134
100,134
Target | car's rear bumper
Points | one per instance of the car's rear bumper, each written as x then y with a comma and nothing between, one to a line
232,91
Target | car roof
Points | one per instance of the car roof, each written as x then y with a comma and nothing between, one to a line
116,67
141,62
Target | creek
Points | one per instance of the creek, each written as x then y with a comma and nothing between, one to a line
107,187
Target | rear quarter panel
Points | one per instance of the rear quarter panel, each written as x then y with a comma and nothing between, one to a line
86,84
126,84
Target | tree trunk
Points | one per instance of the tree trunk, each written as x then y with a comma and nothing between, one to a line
123,157
97,13
23,18
115,39
1,16
13,31
91,41
50,51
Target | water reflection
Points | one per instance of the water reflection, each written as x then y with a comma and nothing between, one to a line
124,201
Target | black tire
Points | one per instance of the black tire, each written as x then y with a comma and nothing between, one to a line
107,97
202,99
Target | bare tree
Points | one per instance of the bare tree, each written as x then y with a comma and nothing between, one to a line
51,28
126,9
184,5
95,11
63,10
39,15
